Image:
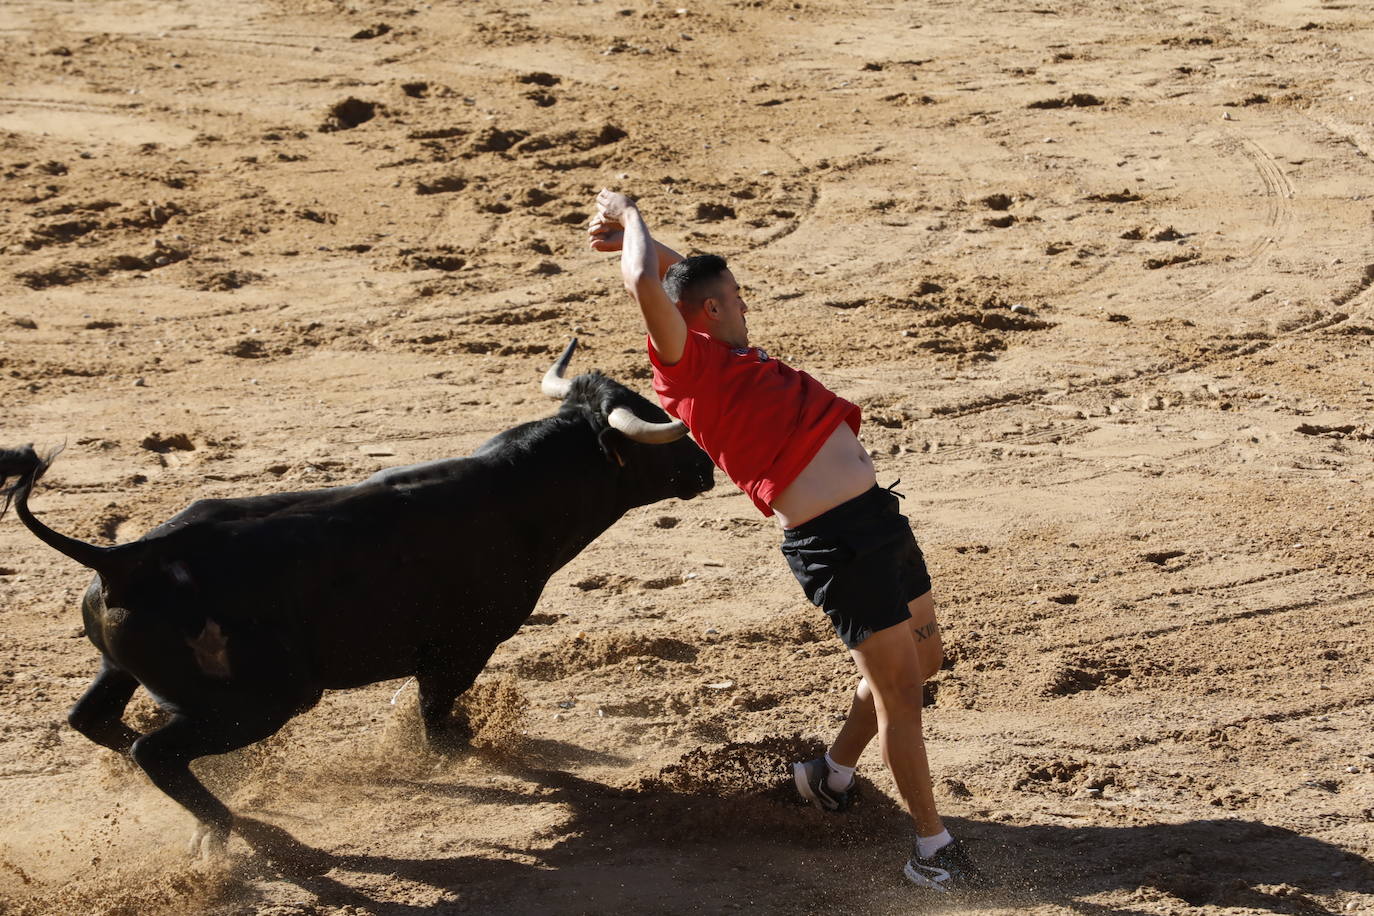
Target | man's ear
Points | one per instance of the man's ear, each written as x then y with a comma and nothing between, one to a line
711,306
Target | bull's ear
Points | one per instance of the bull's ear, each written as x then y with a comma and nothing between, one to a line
609,440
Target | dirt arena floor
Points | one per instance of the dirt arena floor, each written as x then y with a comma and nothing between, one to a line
1098,273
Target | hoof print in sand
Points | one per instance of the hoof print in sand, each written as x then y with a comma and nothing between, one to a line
348,114
714,213
1077,100
1077,674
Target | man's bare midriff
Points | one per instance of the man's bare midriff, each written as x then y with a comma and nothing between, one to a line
840,471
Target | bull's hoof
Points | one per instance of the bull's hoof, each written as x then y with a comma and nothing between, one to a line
449,740
453,737
209,844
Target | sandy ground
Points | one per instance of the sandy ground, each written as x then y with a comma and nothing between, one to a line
1099,275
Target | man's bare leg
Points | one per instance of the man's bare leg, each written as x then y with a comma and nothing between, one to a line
861,725
890,663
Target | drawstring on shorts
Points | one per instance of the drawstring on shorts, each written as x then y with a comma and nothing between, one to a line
892,488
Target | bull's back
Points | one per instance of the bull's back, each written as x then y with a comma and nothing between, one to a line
369,587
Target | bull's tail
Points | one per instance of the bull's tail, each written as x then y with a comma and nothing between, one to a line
26,466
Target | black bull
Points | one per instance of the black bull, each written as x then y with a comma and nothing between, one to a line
237,614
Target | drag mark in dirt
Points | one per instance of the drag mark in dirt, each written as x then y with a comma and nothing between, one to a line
1218,620
71,105
1311,710
1358,289
89,121
1360,138
310,47
1278,215
1052,435
806,209
1317,321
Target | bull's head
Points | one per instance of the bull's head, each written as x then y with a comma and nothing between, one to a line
656,457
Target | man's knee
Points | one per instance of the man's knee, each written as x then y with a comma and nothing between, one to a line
900,692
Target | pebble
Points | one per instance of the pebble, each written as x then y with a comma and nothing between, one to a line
1352,769
140,383
711,631
1021,309
1226,115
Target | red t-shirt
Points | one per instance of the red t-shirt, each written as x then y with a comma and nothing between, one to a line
760,421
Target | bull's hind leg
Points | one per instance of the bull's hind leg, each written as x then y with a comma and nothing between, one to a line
97,715
165,755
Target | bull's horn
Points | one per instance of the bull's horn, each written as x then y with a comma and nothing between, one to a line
644,431
555,385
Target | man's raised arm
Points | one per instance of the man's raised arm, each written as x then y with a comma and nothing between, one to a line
642,265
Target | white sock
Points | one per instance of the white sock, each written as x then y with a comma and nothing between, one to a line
927,846
840,776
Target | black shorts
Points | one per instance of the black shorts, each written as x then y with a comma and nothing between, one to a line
860,563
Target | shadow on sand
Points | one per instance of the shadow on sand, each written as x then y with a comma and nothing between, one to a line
1141,869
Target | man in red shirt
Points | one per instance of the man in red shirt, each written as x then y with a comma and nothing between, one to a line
791,445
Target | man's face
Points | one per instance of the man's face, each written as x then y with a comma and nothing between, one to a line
728,324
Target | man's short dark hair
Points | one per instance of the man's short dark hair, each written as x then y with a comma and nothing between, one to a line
689,281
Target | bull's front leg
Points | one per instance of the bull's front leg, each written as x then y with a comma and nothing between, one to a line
441,681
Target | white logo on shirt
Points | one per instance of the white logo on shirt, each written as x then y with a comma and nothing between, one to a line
744,351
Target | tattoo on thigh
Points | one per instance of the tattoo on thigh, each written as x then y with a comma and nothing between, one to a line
927,631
